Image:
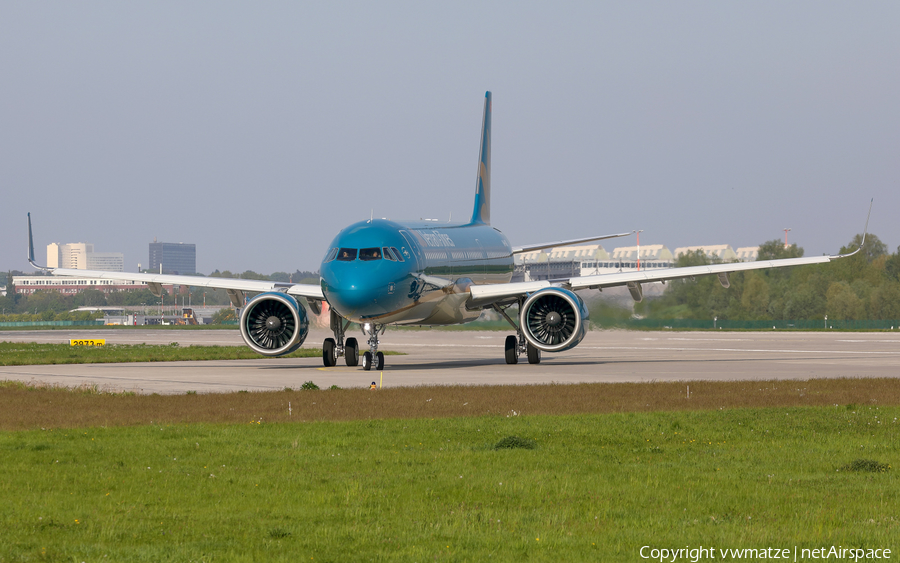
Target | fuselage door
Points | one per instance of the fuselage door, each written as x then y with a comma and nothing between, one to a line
409,251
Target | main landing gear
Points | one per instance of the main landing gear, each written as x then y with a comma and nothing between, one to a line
334,348
516,344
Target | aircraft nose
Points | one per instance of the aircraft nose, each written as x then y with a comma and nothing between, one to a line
352,292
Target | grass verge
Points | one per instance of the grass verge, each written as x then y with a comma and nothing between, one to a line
596,487
27,407
29,353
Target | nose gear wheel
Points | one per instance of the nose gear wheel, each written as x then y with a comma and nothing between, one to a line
373,358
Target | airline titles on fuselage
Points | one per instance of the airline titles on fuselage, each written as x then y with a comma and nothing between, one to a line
435,238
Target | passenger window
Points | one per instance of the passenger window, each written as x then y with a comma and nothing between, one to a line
347,254
387,254
368,254
397,254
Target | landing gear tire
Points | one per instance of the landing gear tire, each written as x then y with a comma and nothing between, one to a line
351,352
367,361
512,349
534,354
329,352
379,361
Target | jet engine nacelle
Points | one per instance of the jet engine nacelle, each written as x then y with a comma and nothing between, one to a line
274,324
553,319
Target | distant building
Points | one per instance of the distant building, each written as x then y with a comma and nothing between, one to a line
27,285
559,262
588,260
175,257
106,261
747,253
81,256
721,252
591,259
652,255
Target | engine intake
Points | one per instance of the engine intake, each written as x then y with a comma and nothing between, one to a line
274,324
553,319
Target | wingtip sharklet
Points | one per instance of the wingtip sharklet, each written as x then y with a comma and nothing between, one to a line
865,233
30,241
31,248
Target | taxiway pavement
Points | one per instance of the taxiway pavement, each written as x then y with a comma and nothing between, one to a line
435,357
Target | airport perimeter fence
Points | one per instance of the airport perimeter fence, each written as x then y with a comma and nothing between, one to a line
726,324
53,323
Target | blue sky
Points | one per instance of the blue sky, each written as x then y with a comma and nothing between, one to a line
258,130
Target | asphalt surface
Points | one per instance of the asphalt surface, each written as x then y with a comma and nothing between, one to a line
436,357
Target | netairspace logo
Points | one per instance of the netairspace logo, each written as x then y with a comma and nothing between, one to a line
696,554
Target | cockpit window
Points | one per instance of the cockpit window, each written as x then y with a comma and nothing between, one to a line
397,254
388,255
347,254
331,254
370,254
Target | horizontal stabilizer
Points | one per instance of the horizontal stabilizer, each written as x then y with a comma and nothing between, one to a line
543,245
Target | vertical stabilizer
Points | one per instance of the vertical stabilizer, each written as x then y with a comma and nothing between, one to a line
482,212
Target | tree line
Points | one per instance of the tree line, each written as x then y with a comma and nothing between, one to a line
863,286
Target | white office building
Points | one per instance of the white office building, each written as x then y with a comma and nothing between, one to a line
81,256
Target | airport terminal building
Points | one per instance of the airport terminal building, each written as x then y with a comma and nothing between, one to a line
593,259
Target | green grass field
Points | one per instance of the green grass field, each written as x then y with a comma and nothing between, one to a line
597,487
29,353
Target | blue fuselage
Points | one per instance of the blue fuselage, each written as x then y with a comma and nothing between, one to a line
384,272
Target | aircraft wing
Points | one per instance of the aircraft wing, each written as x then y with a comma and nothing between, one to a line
233,286
506,293
485,295
301,290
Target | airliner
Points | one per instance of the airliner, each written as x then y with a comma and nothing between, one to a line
379,273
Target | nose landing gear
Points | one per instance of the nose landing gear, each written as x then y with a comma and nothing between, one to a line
373,358
368,363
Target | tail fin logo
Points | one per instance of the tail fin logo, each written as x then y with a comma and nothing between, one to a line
482,211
